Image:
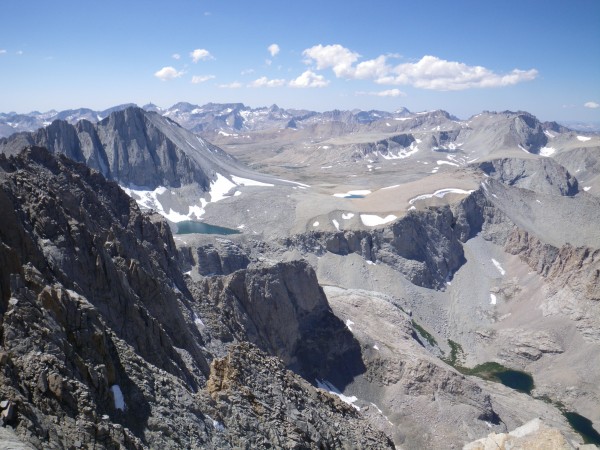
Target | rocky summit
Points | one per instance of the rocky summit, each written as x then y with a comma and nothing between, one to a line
220,276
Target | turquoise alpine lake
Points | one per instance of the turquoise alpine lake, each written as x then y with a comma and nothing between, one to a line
191,226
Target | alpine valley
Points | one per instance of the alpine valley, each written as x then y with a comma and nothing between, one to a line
222,276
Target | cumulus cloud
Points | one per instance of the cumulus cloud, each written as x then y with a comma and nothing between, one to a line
265,82
430,72
200,54
197,79
176,56
434,73
168,73
234,85
339,58
273,49
592,105
309,79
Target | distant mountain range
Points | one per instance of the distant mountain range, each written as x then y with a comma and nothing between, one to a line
230,118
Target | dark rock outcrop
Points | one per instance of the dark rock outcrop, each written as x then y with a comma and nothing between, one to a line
221,258
100,344
281,308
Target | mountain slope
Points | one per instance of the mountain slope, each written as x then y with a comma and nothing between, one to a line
103,345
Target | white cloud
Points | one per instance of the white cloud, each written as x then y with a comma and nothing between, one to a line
176,56
273,49
168,73
201,54
592,105
373,68
19,52
268,62
309,79
234,85
434,73
430,72
197,79
265,82
339,58
2,51
386,93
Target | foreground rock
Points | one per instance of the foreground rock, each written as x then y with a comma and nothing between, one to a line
101,345
533,435
254,392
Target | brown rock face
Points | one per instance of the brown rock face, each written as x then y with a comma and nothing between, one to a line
576,267
294,413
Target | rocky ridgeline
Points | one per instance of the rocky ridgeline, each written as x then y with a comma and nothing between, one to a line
102,346
544,175
130,146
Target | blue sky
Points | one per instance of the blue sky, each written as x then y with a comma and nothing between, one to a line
461,56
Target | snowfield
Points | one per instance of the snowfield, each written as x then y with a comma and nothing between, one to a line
372,220
439,193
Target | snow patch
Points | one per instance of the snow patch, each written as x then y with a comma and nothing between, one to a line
220,187
294,182
523,148
547,151
351,193
499,267
550,135
439,193
348,323
376,347
492,299
336,224
587,188
118,397
372,220
326,385
147,199
347,216
315,224
403,153
583,138
441,163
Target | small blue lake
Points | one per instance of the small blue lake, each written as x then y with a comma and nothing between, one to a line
191,226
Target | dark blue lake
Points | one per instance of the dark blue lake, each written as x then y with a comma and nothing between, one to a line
584,427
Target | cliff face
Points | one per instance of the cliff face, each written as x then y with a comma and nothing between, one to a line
281,308
100,341
424,247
